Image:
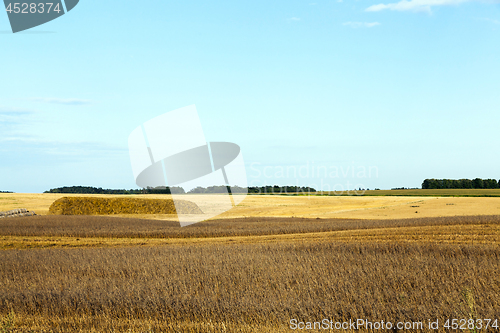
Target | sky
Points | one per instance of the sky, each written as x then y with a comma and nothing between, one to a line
330,94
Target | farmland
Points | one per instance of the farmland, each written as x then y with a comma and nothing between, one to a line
423,193
253,269
357,207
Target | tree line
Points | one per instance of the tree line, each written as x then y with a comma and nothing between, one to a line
217,189
253,190
477,183
179,190
280,189
99,190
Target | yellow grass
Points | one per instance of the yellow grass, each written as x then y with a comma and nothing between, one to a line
40,203
286,206
255,287
453,234
364,207
252,283
74,323
425,192
123,205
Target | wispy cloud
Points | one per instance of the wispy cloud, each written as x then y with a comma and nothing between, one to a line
20,150
496,22
294,19
12,119
414,5
361,24
64,101
10,116
14,111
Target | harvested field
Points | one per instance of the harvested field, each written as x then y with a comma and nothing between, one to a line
41,202
370,207
246,287
383,207
16,213
424,192
113,206
66,273
103,226
448,234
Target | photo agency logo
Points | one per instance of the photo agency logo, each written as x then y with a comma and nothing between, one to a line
311,177
26,15
171,150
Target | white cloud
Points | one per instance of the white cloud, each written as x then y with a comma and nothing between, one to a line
361,24
294,19
414,5
14,111
16,147
10,116
13,119
67,101
491,20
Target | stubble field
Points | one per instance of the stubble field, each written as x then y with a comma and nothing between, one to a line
353,207
251,274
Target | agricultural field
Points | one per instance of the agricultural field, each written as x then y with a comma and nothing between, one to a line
423,192
254,269
353,207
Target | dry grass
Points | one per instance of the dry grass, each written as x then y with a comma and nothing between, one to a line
39,203
384,207
450,234
104,226
245,287
425,192
109,274
113,206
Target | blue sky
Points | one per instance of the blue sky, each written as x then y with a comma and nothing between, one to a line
409,89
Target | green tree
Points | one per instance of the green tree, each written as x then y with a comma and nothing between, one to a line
478,183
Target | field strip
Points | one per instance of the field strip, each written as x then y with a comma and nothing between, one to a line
352,207
381,207
457,234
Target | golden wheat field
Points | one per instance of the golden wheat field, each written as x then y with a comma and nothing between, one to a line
268,263
361,207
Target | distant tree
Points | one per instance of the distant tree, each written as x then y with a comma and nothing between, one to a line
490,183
477,183
237,189
466,183
280,190
431,184
99,190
